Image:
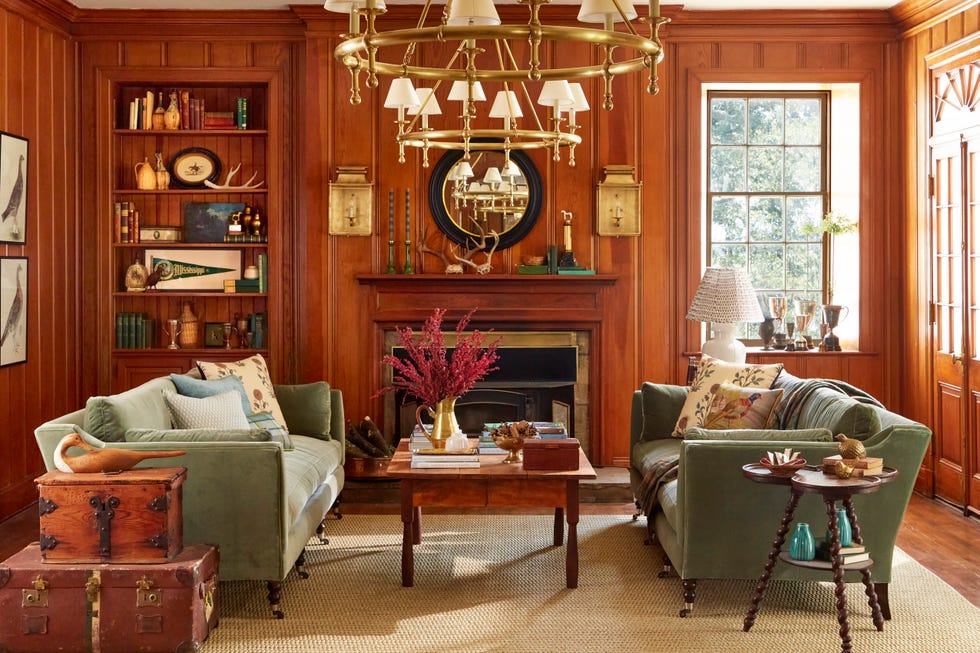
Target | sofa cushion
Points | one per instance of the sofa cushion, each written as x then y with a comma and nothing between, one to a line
266,422
222,411
201,388
306,408
789,435
649,452
839,413
661,405
711,373
307,467
254,374
197,435
108,417
735,407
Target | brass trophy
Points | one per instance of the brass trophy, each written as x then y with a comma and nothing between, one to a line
173,332
806,310
832,317
777,308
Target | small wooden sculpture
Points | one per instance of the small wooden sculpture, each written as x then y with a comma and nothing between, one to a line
101,460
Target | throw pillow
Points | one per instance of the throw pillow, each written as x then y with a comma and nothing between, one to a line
107,418
201,388
222,411
254,374
711,373
197,435
307,408
770,435
660,405
735,407
266,422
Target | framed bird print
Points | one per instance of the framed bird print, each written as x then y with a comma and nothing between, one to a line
13,310
13,189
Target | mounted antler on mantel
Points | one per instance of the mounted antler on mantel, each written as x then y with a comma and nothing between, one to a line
451,268
485,267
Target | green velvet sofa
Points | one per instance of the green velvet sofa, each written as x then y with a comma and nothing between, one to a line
244,492
712,522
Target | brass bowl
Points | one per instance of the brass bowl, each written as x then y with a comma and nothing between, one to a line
514,446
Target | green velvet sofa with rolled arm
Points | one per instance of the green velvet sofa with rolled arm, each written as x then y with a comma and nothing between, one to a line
258,501
712,522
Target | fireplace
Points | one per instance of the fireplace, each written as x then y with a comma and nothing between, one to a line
541,376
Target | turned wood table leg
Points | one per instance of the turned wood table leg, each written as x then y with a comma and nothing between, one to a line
571,548
417,526
777,544
869,587
559,526
409,531
845,627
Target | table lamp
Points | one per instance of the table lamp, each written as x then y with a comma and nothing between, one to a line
725,298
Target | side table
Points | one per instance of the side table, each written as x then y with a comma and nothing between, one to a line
812,480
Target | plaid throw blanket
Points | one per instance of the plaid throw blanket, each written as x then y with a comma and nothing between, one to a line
796,398
661,472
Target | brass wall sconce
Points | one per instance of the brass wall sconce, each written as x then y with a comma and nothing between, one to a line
351,202
618,202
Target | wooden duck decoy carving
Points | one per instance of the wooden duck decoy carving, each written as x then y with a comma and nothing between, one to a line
849,448
101,460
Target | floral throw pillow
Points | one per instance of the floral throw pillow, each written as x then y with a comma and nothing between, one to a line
711,373
254,374
735,407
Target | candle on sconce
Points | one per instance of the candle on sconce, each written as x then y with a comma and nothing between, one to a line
391,214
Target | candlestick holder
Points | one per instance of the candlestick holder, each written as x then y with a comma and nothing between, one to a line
391,258
408,258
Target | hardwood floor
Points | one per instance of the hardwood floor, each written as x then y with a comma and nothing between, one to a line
936,535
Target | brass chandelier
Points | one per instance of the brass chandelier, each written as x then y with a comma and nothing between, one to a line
476,28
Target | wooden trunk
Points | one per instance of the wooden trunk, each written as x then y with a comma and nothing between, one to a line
132,516
551,454
108,608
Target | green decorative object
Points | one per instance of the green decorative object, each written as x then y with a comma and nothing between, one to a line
801,545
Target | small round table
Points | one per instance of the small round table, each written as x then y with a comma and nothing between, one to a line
812,480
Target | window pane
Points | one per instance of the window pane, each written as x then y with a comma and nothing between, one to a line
766,266
728,256
765,169
766,219
765,121
803,121
728,219
728,121
801,211
727,169
800,267
803,169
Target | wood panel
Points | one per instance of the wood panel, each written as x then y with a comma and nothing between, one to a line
38,102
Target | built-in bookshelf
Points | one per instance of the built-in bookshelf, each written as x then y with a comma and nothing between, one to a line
181,226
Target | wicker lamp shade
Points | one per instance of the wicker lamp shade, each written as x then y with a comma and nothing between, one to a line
725,296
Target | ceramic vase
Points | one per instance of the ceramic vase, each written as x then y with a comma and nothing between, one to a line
801,544
444,422
767,329
844,526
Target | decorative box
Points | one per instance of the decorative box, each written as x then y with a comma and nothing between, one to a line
551,454
133,516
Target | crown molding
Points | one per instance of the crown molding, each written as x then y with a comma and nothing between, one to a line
914,16
54,14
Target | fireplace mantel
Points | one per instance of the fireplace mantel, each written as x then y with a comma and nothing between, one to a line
539,300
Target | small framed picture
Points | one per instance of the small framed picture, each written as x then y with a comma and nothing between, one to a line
560,413
213,336
158,234
13,310
13,189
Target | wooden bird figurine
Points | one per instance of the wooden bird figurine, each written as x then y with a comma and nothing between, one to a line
101,460
154,278
14,315
13,203
849,448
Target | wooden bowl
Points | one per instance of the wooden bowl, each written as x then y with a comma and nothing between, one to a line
528,259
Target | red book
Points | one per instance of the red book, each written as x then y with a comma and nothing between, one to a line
185,113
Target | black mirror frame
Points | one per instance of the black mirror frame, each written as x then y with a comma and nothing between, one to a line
437,202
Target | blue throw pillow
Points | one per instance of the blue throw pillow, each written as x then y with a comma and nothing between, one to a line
201,388
276,433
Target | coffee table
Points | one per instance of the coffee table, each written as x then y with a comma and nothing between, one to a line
493,484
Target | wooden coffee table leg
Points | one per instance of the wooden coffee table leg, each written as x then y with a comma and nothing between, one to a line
417,530
559,526
409,531
777,544
571,549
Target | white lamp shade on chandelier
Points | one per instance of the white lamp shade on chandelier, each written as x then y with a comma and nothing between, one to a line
402,95
459,92
473,12
492,176
345,6
505,105
601,11
724,298
557,94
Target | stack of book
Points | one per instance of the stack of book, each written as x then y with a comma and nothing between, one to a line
849,554
861,466
135,331
441,458
546,430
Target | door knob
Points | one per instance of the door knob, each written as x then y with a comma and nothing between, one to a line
957,358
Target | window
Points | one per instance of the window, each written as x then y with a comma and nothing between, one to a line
768,178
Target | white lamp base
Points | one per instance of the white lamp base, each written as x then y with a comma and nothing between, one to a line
724,346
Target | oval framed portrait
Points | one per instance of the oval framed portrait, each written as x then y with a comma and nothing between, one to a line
192,166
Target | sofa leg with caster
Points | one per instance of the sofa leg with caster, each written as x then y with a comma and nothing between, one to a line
667,567
275,596
300,563
689,584
320,530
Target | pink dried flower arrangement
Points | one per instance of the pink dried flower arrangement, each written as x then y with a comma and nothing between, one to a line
428,373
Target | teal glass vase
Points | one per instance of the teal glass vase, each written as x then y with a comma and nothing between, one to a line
801,544
844,526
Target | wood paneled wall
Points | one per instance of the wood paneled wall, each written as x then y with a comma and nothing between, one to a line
38,102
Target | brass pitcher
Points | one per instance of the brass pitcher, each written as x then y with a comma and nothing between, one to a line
444,421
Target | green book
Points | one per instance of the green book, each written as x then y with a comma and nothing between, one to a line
574,271
120,316
532,269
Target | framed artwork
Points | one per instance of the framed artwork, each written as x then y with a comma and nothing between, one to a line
207,222
13,189
13,310
192,166
213,334
195,269
561,413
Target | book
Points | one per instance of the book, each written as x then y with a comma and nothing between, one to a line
185,109
824,554
219,120
446,458
844,550
263,273
532,269
574,271
117,224
856,463
439,464
242,113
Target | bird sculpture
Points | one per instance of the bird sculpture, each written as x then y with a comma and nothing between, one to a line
849,448
154,278
101,460
11,328
16,193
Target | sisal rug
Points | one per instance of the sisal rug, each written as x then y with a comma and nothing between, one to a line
494,583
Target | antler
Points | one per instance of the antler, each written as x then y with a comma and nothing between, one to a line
451,268
482,268
470,251
231,173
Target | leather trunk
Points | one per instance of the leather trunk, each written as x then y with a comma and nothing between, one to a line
108,608
551,454
133,516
